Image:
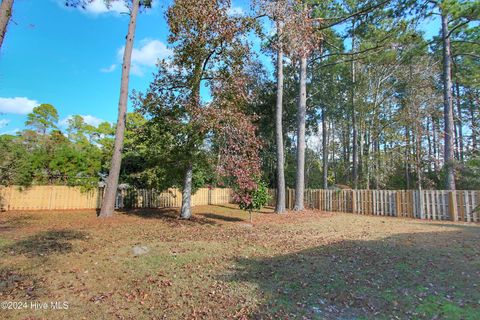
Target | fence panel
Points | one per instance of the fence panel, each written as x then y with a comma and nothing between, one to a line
47,198
74,198
419,204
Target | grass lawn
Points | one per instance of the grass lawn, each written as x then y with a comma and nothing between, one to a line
295,266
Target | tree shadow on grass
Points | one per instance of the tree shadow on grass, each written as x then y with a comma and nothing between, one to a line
221,217
169,215
47,242
264,210
15,222
406,276
464,226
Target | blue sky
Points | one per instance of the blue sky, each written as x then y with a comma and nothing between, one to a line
71,59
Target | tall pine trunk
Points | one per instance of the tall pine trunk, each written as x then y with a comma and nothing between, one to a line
324,149
418,155
448,106
367,158
354,148
436,154
361,145
456,149
301,114
280,205
407,157
354,119
5,14
345,143
378,162
108,203
333,151
460,122
473,123
429,144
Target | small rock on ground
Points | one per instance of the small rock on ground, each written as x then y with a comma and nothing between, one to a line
139,250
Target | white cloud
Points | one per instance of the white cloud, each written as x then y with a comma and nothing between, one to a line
64,122
4,123
91,120
88,119
136,70
98,7
147,55
109,69
17,105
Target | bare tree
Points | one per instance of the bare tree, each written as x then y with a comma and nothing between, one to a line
108,204
279,11
301,114
280,205
304,37
354,117
324,149
448,105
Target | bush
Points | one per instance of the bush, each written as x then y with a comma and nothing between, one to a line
254,199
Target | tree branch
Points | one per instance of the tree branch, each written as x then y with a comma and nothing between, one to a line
355,14
466,41
458,26
348,53
470,54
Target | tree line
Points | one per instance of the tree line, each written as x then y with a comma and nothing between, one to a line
359,98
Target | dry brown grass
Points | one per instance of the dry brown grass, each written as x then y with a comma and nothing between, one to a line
311,265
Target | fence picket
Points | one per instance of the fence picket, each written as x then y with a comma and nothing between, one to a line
476,211
470,206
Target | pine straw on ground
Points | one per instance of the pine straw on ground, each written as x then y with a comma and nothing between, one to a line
309,265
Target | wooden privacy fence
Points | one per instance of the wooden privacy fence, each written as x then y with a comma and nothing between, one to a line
426,204
461,205
64,198
48,198
149,198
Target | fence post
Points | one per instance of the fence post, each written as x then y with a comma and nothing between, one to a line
461,205
354,202
322,196
452,205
